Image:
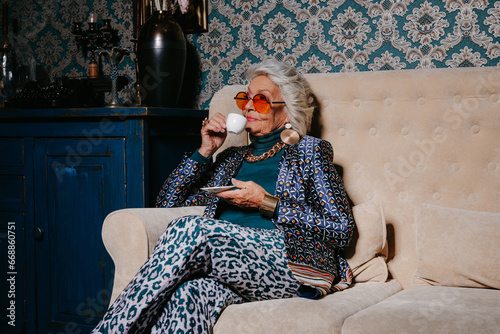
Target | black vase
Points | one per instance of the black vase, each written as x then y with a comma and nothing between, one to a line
161,55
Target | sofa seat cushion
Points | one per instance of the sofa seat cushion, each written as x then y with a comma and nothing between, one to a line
457,247
431,309
301,315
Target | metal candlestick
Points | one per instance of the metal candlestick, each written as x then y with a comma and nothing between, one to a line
93,38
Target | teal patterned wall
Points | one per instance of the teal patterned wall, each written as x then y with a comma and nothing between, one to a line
313,35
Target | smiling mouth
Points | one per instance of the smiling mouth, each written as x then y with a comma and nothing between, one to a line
251,119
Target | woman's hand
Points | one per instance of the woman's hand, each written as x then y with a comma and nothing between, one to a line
213,135
248,195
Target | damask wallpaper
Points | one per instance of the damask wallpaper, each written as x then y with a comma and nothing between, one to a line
313,35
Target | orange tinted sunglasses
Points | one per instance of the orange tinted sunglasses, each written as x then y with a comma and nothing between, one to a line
260,103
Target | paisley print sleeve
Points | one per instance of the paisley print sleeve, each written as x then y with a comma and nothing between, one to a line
181,188
313,201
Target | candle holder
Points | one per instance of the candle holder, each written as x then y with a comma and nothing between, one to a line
114,56
95,37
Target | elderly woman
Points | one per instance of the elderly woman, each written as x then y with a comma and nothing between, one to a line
276,234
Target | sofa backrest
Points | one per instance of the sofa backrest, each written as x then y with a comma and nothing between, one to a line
408,137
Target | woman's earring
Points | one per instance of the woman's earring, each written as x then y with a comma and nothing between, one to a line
289,136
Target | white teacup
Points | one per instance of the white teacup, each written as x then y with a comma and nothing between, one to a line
235,123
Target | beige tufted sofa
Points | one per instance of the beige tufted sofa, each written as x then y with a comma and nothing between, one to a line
419,151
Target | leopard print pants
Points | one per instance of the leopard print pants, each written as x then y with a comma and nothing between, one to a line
199,267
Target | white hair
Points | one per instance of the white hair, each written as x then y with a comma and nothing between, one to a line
295,90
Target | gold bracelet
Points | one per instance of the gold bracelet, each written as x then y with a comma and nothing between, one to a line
269,205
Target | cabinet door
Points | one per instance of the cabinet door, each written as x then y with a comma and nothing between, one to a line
77,183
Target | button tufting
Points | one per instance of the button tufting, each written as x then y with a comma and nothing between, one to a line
455,167
405,131
457,99
421,100
494,98
342,132
403,196
436,196
472,198
326,103
387,166
373,131
388,102
369,195
475,129
492,166
420,164
356,102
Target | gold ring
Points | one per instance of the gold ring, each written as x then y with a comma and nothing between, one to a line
204,122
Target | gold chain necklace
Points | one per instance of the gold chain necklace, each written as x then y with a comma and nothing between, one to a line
249,157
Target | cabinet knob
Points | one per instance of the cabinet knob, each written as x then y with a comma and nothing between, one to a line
37,233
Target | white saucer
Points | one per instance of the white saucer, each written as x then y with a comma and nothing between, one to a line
215,190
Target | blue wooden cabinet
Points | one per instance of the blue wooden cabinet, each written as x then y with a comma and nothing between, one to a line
61,172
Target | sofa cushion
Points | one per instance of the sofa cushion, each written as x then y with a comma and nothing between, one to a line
367,251
430,309
457,247
301,315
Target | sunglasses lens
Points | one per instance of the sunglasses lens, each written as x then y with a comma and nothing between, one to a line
241,100
261,104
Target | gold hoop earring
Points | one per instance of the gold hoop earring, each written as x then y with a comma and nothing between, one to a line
289,136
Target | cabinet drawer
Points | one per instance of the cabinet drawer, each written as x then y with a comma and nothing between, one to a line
12,152
12,189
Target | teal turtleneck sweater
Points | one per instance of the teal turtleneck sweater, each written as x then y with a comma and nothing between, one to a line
264,173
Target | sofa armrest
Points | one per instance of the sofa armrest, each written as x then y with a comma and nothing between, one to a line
130,236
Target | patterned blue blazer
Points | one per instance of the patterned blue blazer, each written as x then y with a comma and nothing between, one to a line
313,214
